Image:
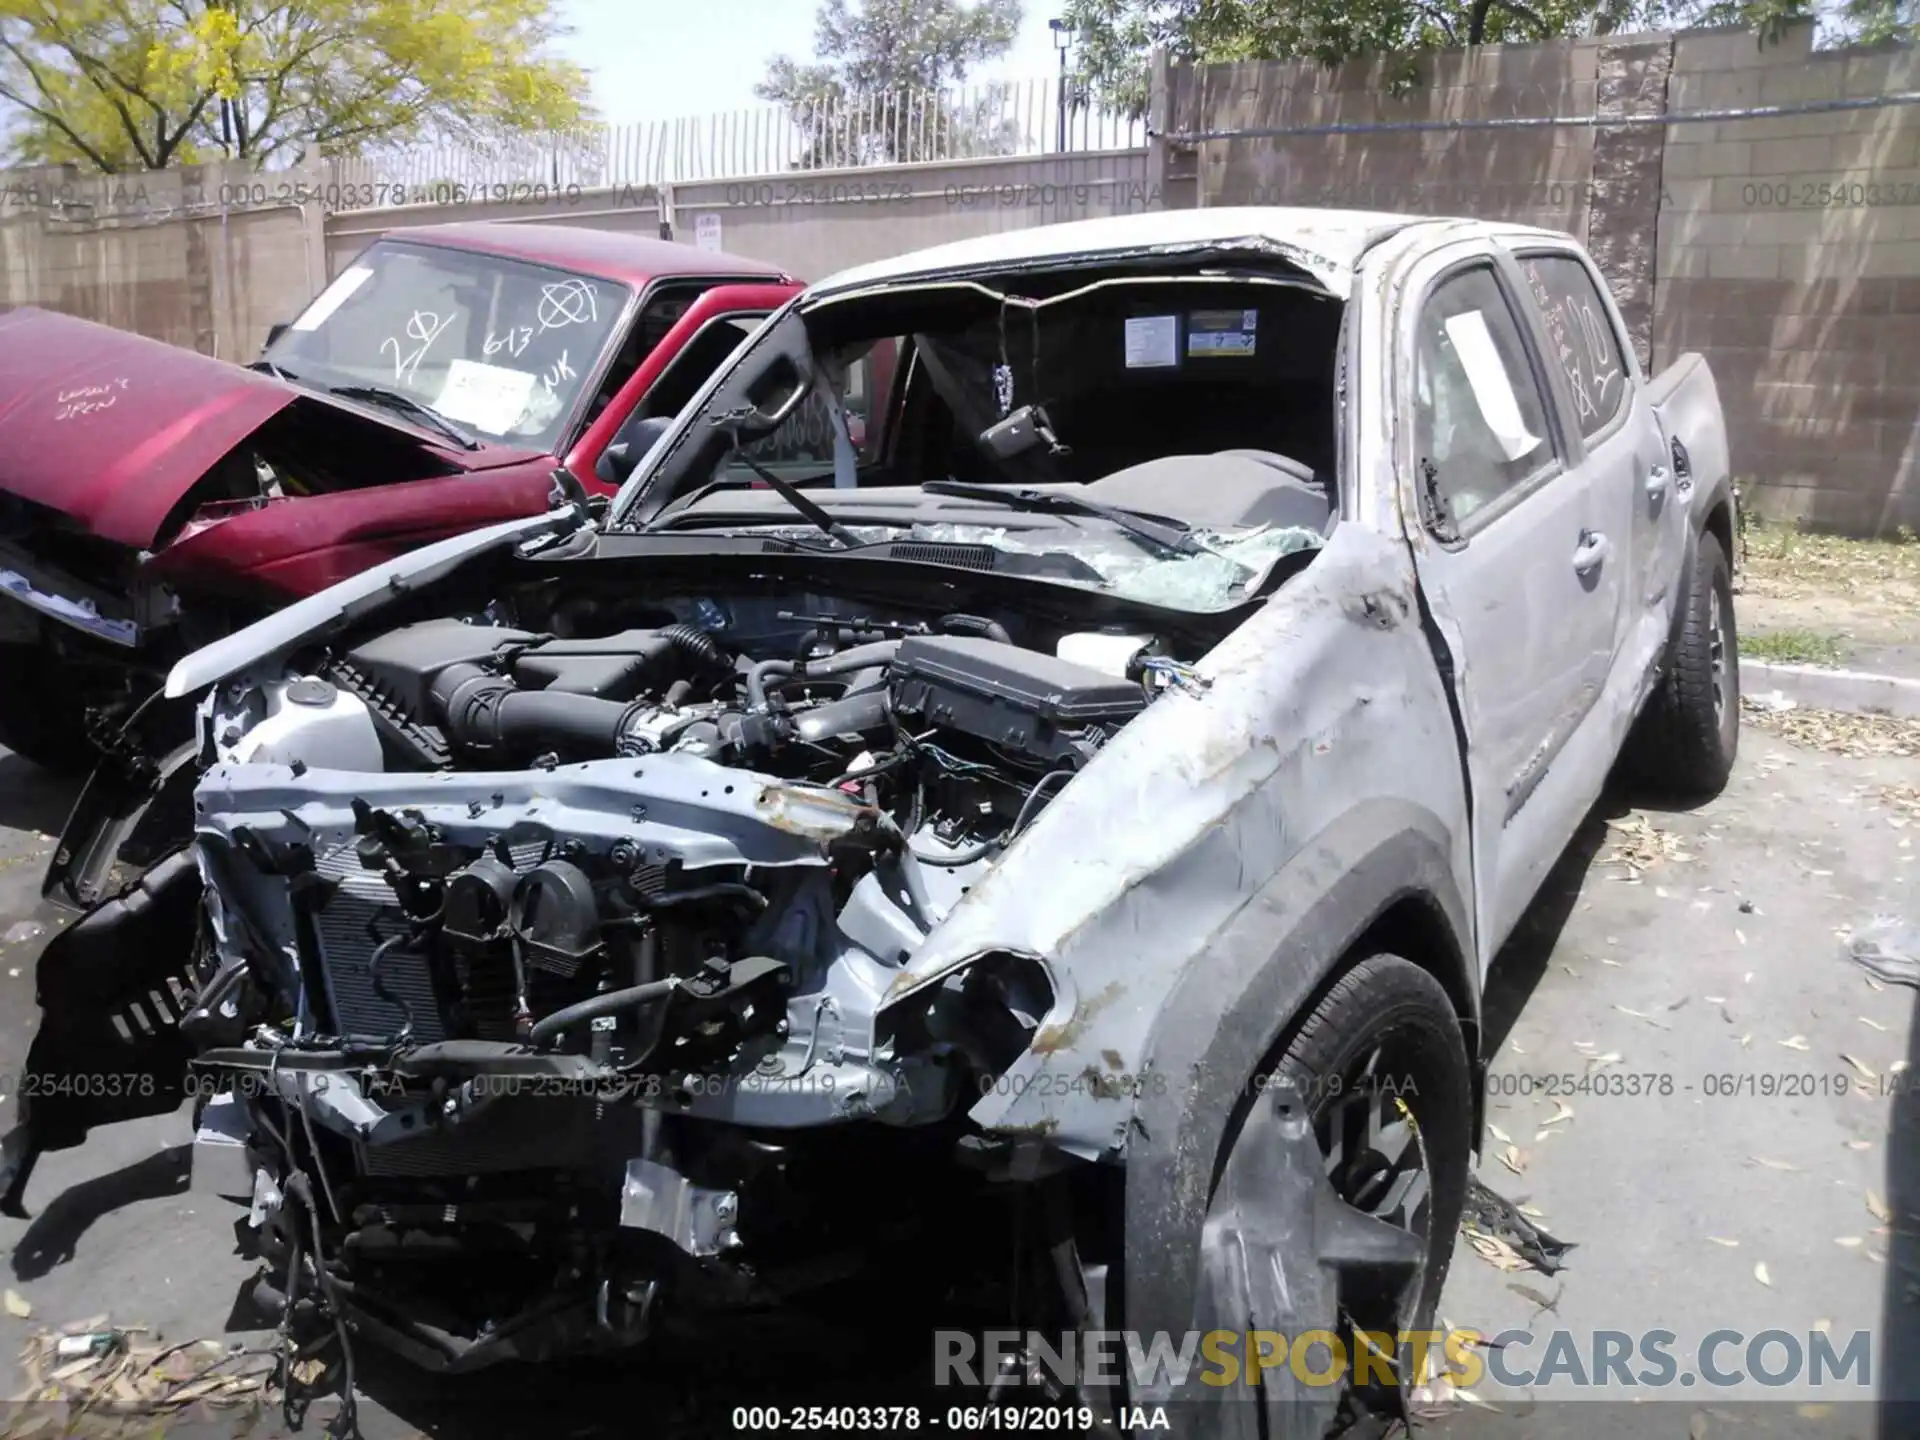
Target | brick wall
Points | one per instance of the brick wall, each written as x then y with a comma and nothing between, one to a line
159,254
1789,254
1786,249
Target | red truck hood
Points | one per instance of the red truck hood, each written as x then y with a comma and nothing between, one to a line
113,428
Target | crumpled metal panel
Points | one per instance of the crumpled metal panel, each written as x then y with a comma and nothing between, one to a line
1326,698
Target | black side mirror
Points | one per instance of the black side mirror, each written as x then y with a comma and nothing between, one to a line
274,332
629,447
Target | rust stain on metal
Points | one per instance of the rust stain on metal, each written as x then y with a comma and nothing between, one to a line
812,813
1115,1060
1053,1038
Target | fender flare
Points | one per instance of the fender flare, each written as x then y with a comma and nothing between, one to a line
1233,1009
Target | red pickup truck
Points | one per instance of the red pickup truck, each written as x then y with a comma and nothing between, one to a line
152,499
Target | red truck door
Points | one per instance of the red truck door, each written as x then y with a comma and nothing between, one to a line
691,333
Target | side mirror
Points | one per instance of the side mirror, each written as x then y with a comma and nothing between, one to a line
629,447
274,332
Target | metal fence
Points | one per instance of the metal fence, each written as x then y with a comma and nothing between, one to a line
1023,117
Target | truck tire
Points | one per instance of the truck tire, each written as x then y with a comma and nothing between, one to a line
41,719
1686,738
1389,1022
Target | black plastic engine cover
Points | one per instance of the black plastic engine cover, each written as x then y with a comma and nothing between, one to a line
1021,700
404,662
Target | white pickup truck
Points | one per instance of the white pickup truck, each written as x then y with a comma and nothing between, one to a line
1095,805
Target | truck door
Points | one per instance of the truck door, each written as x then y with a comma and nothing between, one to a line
1601,390
1516,560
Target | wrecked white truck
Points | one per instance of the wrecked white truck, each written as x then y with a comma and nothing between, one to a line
1098,804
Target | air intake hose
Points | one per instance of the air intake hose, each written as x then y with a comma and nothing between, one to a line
697,645
488,714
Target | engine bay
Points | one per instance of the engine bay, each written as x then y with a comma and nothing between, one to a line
596,918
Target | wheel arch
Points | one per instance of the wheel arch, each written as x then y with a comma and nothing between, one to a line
1381,878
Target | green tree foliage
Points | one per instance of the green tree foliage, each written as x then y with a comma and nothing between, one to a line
1114,38
124,85
877,88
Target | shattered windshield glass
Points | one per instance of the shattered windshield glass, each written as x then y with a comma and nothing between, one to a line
1233,563
500,347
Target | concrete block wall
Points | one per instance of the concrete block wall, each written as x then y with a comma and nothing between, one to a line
160,253
1789,254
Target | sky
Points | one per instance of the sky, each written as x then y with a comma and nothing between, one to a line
671,58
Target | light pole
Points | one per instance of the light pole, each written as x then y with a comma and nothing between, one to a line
1062,38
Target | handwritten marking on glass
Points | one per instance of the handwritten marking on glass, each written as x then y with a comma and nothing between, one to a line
87,399
568,302
1586,355
422,325
514,342
556,372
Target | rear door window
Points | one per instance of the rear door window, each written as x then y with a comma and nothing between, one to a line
1582,342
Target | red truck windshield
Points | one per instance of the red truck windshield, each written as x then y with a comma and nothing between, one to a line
500,347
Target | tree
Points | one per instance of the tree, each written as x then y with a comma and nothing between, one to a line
877,90
122,85
1114,38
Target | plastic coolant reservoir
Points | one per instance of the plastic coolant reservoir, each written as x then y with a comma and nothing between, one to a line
313,722
1103,651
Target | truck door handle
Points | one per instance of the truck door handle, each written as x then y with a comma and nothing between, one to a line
1657,480
1592,549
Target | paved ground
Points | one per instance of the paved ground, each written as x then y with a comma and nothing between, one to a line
1721,958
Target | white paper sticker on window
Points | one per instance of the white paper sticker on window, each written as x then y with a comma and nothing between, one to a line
1153,341
333,297
489,397
1492,388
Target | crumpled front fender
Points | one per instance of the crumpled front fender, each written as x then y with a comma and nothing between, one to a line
1327,702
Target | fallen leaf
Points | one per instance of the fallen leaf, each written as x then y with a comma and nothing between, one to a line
1746,1041
1849,1241
1600,1062
1760,1274
1877,1208
1499,1134
1561,1111
1697,1428
1540,1135
1875,1024
1867,1072
1716,999
16,1305
1532,1212
1722,1240
1859,1144
1514,1159
1796,1042
1775,1164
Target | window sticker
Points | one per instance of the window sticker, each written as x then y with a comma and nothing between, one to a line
1153,341
333,297
1221,332
1492,388
489,397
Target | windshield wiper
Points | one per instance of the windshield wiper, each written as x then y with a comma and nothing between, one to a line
395,400
786,490
1154,529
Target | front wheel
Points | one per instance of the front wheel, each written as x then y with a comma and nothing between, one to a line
1374,1092
1687,737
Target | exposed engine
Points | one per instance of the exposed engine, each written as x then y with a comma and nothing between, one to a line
566,950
